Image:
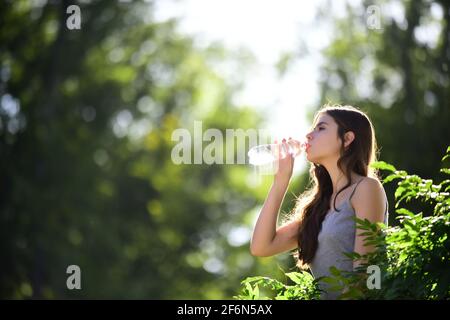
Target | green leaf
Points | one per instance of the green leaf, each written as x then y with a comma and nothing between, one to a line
352,255
294,276
367,233
447,155
383,166
330,280
335,271
391,177
249,288
256,292
399,192
405,212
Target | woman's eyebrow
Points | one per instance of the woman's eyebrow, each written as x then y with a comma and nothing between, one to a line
321,122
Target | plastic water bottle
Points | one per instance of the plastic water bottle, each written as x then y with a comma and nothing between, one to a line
265,154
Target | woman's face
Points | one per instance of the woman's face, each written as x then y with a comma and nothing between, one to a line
323,140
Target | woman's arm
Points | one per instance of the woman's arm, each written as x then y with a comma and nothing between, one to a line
267,240
369,203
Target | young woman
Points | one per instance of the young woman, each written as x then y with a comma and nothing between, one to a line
340,148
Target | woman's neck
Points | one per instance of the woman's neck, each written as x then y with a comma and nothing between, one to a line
339,178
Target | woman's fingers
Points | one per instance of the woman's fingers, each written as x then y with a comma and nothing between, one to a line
282,148
285,148
286,161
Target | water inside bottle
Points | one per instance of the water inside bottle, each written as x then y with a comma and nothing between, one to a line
260,155
268,153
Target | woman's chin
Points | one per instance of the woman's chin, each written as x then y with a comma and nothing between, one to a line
311,159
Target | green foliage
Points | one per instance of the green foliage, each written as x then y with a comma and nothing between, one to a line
413,257
87,177
304,288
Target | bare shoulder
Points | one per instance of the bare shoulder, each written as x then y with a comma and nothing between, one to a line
369,199
370,183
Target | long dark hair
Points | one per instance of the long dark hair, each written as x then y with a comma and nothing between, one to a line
312,206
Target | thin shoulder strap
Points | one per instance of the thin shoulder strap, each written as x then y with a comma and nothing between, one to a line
386,214
351,195
386,204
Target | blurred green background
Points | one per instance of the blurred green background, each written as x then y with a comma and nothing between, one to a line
87,116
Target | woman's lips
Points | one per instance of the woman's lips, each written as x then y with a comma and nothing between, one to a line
307,146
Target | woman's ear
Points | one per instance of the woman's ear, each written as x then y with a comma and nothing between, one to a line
349,136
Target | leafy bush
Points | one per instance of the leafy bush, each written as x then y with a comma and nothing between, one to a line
413,258
304,288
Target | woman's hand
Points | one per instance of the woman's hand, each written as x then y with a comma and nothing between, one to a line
285,161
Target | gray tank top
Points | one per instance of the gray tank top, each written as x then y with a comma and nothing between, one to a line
336,236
